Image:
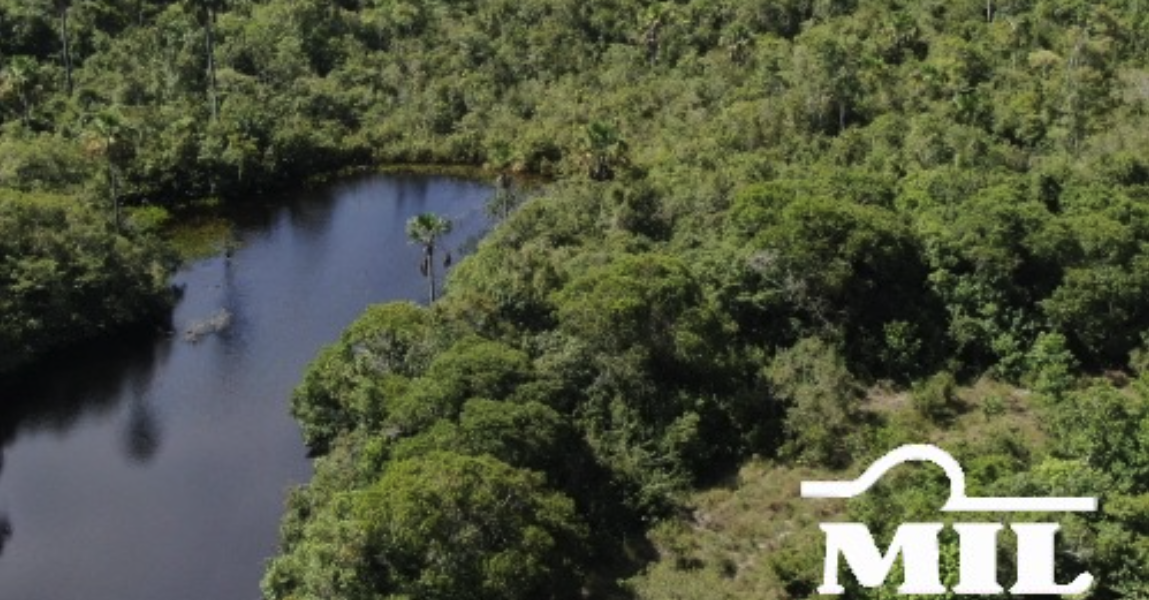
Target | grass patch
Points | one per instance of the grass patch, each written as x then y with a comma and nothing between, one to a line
737,541
759,539
201,237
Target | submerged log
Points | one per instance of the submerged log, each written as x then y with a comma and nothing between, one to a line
218,322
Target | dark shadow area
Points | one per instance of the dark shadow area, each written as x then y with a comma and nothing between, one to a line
5,532
64,386
5,522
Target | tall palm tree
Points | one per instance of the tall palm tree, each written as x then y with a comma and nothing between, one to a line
207,11
426,230
605,150
21,77
106,139
652,40
504,201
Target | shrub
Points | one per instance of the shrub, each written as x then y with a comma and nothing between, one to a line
821,399
934,398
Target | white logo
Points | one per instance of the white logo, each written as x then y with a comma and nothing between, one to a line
918,542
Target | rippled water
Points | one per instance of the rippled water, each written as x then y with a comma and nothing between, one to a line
156,469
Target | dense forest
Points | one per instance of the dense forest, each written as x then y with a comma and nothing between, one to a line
778,239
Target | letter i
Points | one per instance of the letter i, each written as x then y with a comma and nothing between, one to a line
978,559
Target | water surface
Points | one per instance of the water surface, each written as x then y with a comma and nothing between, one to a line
156,468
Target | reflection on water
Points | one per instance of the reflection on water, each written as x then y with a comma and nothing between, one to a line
153,467
5,522
5,531
142,434
87,381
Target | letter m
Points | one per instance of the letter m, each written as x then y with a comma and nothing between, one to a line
916,542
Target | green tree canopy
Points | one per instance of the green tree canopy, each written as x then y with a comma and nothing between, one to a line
451,526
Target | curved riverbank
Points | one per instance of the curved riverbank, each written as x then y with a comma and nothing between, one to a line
157,467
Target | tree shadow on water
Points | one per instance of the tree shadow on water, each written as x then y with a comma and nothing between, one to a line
5,531
66,388
142,433
5,521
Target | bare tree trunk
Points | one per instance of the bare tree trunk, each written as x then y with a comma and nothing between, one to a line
209,34
431,270
653,42
67,48
27,106
989,11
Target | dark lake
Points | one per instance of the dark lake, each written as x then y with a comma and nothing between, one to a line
157,468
